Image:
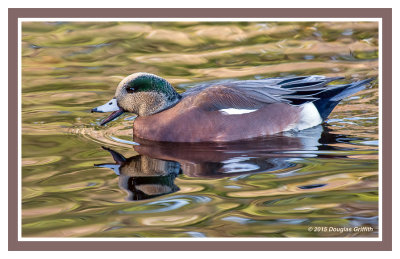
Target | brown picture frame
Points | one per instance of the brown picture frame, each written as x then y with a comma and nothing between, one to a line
14,244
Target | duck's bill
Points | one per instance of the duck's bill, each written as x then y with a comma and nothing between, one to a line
110,106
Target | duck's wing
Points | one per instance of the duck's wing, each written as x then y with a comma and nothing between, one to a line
253,94
220,97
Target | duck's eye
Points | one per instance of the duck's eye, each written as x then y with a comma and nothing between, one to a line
137,85
130,89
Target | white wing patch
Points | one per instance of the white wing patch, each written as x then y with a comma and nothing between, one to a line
232,111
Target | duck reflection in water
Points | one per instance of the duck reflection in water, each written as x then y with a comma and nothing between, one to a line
152,172
143,177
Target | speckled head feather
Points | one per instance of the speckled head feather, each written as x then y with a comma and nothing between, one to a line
145,94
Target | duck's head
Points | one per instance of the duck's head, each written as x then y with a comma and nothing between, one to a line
141,93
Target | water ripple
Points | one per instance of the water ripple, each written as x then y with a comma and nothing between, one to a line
168,204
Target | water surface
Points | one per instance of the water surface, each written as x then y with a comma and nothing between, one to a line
276,186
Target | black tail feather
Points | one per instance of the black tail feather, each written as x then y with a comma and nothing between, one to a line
328,99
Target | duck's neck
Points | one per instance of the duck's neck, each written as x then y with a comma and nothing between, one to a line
171,102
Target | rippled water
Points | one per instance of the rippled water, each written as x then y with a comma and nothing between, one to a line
276,186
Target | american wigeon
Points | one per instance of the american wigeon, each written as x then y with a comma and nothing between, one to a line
225,111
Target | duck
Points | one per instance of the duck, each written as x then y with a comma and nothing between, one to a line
225,111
